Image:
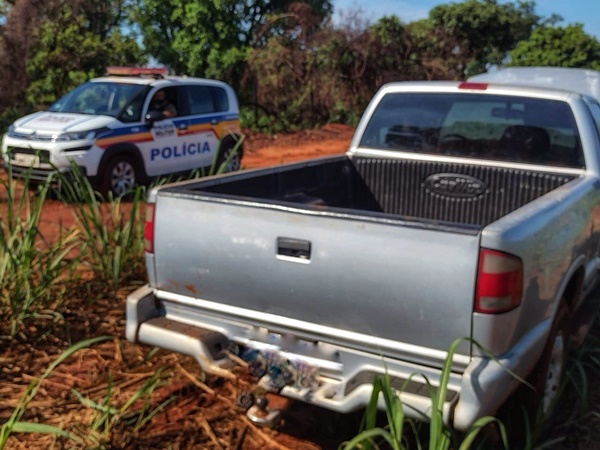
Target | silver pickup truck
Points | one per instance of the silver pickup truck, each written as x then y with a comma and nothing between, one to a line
465,209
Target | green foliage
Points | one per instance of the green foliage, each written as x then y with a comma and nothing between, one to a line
9,115
4,8
558,46
111,235
440,436
287,58
73,47
474,34
14,423
208,37
30,266
309,72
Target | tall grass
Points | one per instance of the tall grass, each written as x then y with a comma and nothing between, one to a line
440,435
30,265
111,232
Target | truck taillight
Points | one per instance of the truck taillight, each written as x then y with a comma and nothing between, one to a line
149,228
499,282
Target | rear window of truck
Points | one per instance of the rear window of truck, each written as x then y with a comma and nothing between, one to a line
492,127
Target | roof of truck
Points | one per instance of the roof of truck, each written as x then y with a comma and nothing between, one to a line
581,81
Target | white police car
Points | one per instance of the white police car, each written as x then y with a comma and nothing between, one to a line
108,128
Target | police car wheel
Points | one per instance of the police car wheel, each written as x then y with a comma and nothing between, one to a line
121,176
232,163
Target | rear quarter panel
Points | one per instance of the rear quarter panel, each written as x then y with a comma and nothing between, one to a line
555,235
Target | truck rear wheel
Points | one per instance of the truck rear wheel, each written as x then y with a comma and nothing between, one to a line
538,406
530,410
548,375
121,175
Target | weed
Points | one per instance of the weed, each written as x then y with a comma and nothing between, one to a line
440,435
14,423
110,235
135,412
30,266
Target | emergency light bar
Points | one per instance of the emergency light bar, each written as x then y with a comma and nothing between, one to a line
137,71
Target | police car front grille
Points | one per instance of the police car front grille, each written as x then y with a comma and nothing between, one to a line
32,136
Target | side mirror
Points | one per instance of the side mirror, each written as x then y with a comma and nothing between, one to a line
154,116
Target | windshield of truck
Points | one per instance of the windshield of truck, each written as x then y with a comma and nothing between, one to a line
120,100
496,127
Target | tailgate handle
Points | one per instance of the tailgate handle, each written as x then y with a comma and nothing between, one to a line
293,248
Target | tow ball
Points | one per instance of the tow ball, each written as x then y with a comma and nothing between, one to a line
273,373
265,410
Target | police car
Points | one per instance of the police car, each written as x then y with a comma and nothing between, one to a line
108,128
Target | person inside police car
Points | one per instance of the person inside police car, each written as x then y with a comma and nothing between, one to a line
161,103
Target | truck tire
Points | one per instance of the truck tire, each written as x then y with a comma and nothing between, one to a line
548,375
121,175
232,163
534,410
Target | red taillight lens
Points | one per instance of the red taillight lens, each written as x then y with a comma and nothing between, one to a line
149,229
474,86
499,282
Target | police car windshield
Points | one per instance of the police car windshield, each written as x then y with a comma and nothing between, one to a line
102,98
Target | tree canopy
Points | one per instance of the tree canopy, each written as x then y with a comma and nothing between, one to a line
567,46
474,34
287,59
211,37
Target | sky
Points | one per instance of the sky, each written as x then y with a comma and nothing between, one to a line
586,12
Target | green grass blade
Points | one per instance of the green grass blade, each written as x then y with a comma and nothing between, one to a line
367,437
28,427
143,419
34,386
479,425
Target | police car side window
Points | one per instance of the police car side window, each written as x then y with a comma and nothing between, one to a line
131,111
219,98
200,100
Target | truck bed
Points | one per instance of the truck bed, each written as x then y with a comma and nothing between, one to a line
410,190
304,227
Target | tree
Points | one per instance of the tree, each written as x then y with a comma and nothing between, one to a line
473,34
53,45
18,34
283,70
76,42
558,46
211,37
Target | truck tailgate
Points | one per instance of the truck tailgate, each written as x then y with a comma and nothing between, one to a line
414,285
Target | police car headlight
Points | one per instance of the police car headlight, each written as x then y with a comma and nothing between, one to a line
11,130
80,135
